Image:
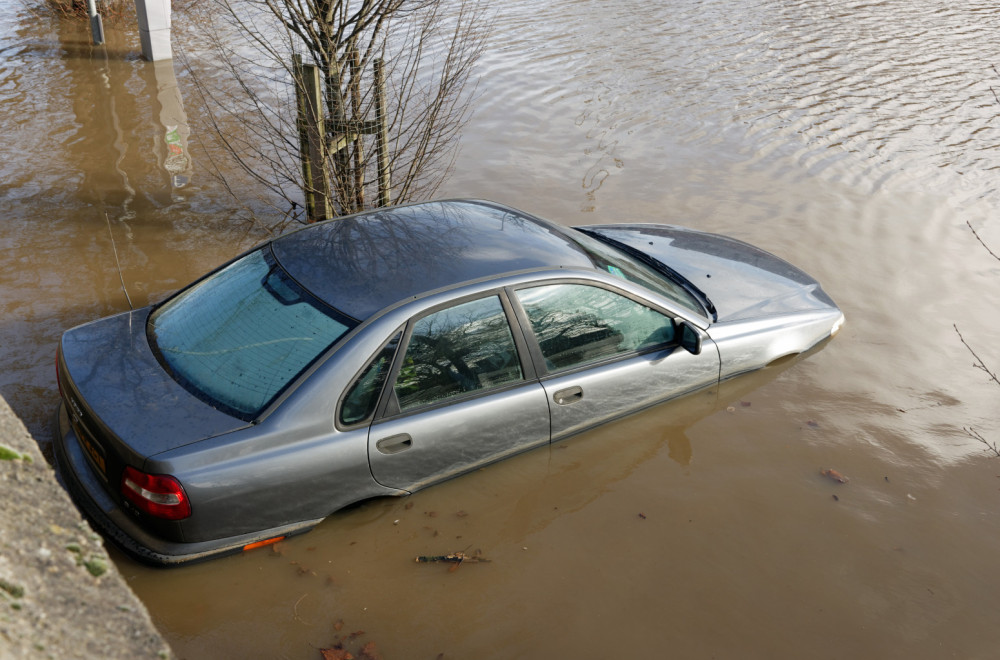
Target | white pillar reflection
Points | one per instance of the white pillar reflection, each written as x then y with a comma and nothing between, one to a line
174,158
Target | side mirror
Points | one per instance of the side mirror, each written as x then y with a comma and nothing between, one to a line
690,338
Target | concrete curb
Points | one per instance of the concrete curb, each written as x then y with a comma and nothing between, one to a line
60,594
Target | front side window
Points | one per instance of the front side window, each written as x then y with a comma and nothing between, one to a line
576,324
240,336
465,348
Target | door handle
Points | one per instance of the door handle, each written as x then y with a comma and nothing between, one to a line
568,395
394,443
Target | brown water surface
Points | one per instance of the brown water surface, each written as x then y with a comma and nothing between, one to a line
859,140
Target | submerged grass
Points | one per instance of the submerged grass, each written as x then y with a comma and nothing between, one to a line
111,11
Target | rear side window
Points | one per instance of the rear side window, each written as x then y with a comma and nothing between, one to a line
242,335
362,396
466,348
576,324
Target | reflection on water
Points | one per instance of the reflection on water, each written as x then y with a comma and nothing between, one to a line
176,160
855,139
95,137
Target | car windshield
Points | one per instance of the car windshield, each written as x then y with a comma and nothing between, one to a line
239,337
626,267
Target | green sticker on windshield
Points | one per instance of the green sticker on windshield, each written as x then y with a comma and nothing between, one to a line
616,271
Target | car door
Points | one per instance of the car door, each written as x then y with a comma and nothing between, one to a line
607,354
463,393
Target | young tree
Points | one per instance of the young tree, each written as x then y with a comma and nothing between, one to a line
426,50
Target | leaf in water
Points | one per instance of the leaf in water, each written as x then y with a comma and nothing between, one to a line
369,652
336,653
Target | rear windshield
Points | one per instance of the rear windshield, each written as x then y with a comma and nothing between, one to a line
242,335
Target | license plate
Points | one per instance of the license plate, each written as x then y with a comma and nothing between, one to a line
96,454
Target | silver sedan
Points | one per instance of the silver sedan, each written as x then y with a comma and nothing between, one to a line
379,353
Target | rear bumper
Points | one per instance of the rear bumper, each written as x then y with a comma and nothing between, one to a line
92,499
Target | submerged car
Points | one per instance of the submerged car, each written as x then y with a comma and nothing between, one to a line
379,353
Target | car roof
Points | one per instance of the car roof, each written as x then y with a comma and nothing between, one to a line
363,263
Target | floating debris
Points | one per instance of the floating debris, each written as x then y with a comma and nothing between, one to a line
336,654
455,558
342,645
833,474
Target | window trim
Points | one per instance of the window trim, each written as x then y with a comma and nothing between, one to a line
338,419
544,373
388,406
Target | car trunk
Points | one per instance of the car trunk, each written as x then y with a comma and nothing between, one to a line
108,366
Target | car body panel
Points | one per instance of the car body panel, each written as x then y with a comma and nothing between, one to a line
270,478
88,492
743,281
402,252
748,345
112,368
609,391
418,449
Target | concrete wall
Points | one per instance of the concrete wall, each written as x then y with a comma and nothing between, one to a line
60,595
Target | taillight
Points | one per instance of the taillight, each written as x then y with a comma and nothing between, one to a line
158,495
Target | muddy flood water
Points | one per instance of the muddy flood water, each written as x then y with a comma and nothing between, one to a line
859,140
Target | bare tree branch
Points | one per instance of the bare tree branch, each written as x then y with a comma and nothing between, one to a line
429,46
995,97
974,434
979,362
981,241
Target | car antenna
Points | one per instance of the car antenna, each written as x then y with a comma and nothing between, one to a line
117,263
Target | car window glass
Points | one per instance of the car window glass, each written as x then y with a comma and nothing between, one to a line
622,265
461,349
362,395
576,324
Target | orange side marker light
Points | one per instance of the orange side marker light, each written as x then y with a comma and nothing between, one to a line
261,544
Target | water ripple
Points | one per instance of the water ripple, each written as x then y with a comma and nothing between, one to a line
898,90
